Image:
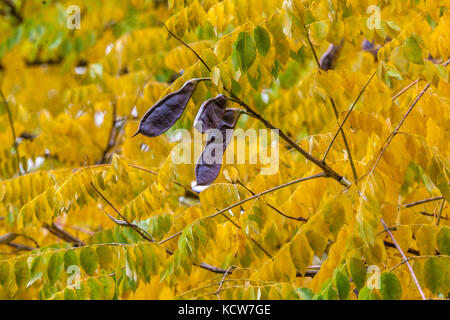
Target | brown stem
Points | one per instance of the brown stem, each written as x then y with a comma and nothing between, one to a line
347,115
64,235
188,190
440,212
272,207
392,135
416,203
113,133
142,232
404,259
319,175
11,124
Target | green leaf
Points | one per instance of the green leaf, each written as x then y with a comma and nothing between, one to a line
54,268
368,294
305,293
412,51
4,272
443,241
70,294
358,272
342,285
89,260
390,286
71,259
433,273
22,272
262,40
246,49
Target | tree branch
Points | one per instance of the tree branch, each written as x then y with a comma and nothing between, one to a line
419,202
392,135
347,115
319,175
11,124
404,259
326,169
272,207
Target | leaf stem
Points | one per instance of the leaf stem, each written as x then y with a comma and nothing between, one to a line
11,124
405,259
319,175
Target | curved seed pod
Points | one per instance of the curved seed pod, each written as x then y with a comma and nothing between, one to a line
210,160
168,110
210,113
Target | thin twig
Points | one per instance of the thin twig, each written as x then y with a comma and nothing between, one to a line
391,245
336,114
187,46
223,279
142,232
416,203
392,135
440,212
404,259
413,258
347,115
405,89
64,235
113,133
413,83
319,175
171,237
188,190
11,124
272,207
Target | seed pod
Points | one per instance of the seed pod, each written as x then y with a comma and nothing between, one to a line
210,161
167,111
210,113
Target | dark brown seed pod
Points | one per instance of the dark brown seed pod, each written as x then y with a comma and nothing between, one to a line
163,115
210,160
210,113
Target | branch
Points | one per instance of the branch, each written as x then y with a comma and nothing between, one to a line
391,245
347,115
416,203
326,169
189,190
11,124
13,10
223,279
64,235
112,138
319,175
187,46
140,231
272,207
143,234
404,259
413,83
392,135
440,212
320,66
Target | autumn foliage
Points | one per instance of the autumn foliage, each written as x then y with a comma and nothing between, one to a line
358,208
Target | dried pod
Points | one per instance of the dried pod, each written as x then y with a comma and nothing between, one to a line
210,113
328,60
168,110
210,160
